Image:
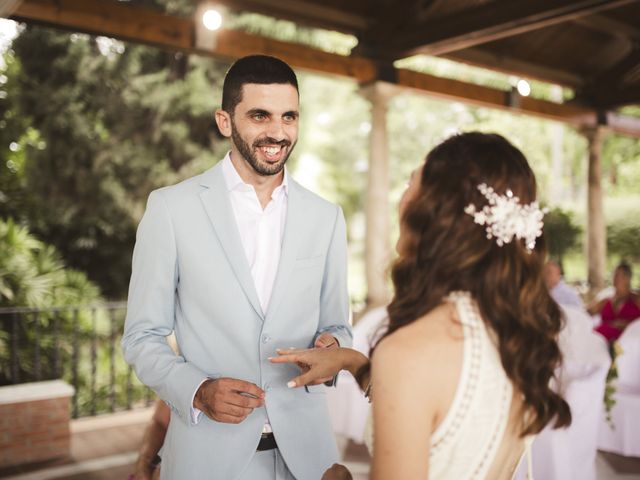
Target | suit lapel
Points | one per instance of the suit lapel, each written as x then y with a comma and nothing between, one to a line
216,203
290,243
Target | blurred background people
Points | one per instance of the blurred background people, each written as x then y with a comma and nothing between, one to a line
562,293
620,309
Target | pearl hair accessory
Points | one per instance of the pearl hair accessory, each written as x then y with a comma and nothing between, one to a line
505,218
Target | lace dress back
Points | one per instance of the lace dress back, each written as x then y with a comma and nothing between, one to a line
479,436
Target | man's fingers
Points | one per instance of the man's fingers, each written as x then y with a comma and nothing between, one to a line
224,418
244,401
235,411
236,385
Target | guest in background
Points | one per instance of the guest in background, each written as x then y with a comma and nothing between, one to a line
620,310
147,465
562,293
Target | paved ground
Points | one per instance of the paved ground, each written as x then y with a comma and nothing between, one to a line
104,448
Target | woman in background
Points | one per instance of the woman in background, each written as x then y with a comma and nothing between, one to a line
620,310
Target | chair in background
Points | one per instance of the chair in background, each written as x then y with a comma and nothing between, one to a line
570,453
623,436
347,405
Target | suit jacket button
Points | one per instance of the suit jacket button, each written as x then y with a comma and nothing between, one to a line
265,338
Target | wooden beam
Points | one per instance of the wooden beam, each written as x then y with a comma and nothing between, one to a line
620,98
308,13
493,98
485,58
610,26
623,124
616,86
125,22
490,22
114,19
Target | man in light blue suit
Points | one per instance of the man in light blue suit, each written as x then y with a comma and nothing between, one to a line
239,261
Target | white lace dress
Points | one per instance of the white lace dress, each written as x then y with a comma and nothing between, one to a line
466,443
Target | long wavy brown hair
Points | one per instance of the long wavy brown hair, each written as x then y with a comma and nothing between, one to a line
443,250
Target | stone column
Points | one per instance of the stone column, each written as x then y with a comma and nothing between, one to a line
596,227
377,251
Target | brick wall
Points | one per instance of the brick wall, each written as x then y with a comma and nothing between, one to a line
34,422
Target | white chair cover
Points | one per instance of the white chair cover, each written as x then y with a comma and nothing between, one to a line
623,437
628,361
348,407
570,453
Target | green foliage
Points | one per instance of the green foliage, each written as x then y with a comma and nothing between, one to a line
96,125
560,232
621,165
623,239
33,274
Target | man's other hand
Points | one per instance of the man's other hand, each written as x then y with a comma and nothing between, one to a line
228,400
337,472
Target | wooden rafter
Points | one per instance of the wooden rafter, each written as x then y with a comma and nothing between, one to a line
306,13
493,98
125,22
611,88
515,66
610,26
486,23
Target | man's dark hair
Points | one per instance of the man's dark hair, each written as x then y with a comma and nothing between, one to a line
260,69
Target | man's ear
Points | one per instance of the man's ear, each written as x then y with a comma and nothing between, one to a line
223,120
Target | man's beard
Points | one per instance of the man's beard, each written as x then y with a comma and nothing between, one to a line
248,153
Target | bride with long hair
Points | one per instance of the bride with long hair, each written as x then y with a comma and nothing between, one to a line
463,377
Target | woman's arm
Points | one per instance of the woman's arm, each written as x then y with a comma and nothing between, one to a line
319,363
596,307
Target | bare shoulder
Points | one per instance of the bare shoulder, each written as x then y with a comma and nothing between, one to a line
422,360
430,333
433,340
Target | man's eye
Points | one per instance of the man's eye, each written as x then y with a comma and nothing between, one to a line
259,116
290,118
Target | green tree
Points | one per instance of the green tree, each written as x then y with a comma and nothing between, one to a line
560,232
32,273
96,125
623,239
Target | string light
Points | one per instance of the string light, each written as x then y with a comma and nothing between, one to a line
212,20
523,87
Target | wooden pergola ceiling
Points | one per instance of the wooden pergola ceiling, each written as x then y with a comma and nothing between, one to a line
592,46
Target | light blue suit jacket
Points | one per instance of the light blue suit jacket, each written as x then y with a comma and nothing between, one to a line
190,274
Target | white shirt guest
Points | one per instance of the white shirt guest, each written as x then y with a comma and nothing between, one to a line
562,293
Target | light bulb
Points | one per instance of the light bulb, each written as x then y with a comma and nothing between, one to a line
524,88
212,20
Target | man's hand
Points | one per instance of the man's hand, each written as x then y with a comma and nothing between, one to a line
337,472
228,400
144,470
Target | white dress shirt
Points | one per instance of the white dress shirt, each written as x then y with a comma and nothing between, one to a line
565,295
261,232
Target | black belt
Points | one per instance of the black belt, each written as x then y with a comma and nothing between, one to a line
267,442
